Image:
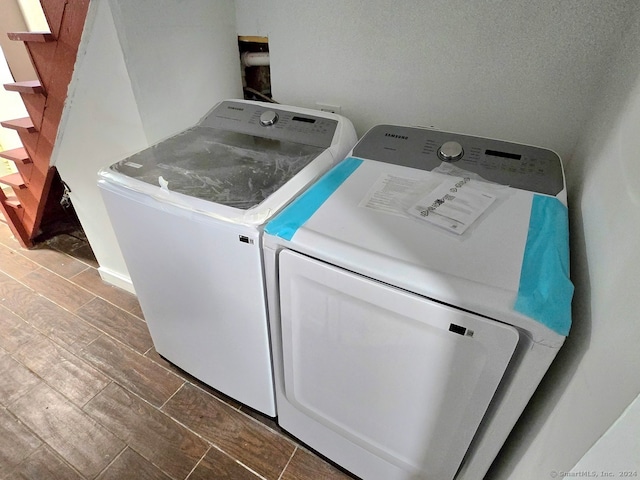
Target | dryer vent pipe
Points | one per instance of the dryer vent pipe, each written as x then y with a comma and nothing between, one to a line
255,59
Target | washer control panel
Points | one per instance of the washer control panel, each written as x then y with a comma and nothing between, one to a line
519,166
271,121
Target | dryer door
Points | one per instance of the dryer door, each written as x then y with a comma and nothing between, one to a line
400,375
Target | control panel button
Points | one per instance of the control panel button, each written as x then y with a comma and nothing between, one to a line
450,151
268,118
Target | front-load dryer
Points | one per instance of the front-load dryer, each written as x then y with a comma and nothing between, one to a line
188,214
418,293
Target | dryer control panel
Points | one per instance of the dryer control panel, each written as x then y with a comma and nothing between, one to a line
520,166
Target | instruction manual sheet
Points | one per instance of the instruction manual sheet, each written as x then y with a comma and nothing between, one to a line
453,203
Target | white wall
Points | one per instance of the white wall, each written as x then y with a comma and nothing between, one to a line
33,15
595,376
100,124
518,70
618,450
145,70
182,59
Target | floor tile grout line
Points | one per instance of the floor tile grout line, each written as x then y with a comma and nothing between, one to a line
114,381
78,355
111,380
102,333
42,380
95,294
43,442
8,410
87,267
53,387
179,422
128,347
290,458
72,277
68,311
60,457
81,358
19,252
191,382
209,447
213,445
239,410
210,443
85,303
67,347
50,299
115,457
59,345
154,407
199,387
82,408
173,394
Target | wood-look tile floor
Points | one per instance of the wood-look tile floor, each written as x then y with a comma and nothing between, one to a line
83,394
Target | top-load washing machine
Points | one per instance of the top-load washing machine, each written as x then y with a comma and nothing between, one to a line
418,293
188,214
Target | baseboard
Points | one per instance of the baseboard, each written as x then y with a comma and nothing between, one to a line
116,279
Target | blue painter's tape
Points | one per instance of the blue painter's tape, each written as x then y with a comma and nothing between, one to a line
545,290
287,222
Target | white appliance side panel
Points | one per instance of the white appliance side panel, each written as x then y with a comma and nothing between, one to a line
381,368
201,291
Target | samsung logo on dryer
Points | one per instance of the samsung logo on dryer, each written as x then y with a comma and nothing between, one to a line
395,135
235,108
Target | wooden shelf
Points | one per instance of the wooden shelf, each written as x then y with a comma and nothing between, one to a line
16,155
30,86
21,124
32,198
14,180
13,202
41,37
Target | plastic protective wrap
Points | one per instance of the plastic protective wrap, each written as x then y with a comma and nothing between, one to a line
226,168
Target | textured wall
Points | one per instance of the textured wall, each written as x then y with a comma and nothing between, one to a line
182,59
517,70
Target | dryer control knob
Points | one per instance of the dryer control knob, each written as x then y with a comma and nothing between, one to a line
450,151
268,118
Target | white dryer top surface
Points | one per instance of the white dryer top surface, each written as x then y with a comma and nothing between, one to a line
479,271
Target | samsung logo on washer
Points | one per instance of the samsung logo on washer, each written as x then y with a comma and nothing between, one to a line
236,108
395,135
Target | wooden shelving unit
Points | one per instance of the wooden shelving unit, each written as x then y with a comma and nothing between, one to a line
53,56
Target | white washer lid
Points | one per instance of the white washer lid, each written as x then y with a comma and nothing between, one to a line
228,168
